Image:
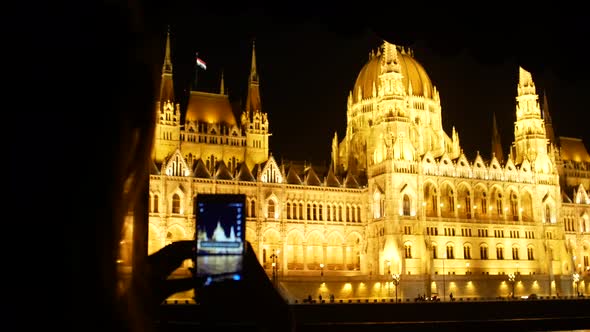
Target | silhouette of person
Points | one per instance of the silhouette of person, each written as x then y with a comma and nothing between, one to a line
105,74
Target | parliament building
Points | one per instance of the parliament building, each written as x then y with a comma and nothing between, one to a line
400,205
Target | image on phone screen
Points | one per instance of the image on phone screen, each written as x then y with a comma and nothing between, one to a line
220,236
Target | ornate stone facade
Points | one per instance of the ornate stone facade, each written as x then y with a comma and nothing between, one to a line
399,197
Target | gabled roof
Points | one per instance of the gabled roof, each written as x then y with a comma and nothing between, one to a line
573,149
223,172
200,171
244,173
332,180
155,168
565,198
292,177
350,181
311,178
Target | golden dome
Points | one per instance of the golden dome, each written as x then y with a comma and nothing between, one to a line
412,72
210,108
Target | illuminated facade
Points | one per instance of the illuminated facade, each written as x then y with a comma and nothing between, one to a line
399,197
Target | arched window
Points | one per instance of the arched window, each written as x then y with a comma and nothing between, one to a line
377,213
156,203
468,204
339,212
547,213
308,211
347,215
483,252
358,214
288,210
175,203
434,251
329,212
253,208
406,205
314,212
300,211
499,252
514,206
451,201
515,253
320,212
467,251
434,202
408,250
484,203
530,253
271,209
499,204
450,251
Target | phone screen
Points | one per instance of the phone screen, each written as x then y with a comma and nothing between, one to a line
220,236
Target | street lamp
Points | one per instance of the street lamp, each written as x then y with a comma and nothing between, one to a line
395,278
576,282
274,258
512,279
322,269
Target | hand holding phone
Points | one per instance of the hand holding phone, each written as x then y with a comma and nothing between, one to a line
220,237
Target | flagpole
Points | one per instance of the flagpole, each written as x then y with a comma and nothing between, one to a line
196,71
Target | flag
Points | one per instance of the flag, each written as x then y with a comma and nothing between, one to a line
201,63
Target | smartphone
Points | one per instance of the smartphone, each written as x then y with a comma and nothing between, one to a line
220,235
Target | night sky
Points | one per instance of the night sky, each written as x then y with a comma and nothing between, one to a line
308,63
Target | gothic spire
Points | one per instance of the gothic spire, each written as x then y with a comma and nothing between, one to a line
253,98
547,118
253,72
496,141
166,85
167,67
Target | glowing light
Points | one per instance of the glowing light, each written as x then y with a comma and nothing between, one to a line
347,287
423,203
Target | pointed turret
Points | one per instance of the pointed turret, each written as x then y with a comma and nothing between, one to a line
166,85
548,122
529,130
496,142
167,131
254,120
253,97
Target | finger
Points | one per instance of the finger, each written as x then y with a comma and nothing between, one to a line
166,260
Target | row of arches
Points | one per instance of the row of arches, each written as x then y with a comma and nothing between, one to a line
335,250
449,251
479,202
313,211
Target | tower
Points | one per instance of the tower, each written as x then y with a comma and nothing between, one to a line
167,131
530,137
254,121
